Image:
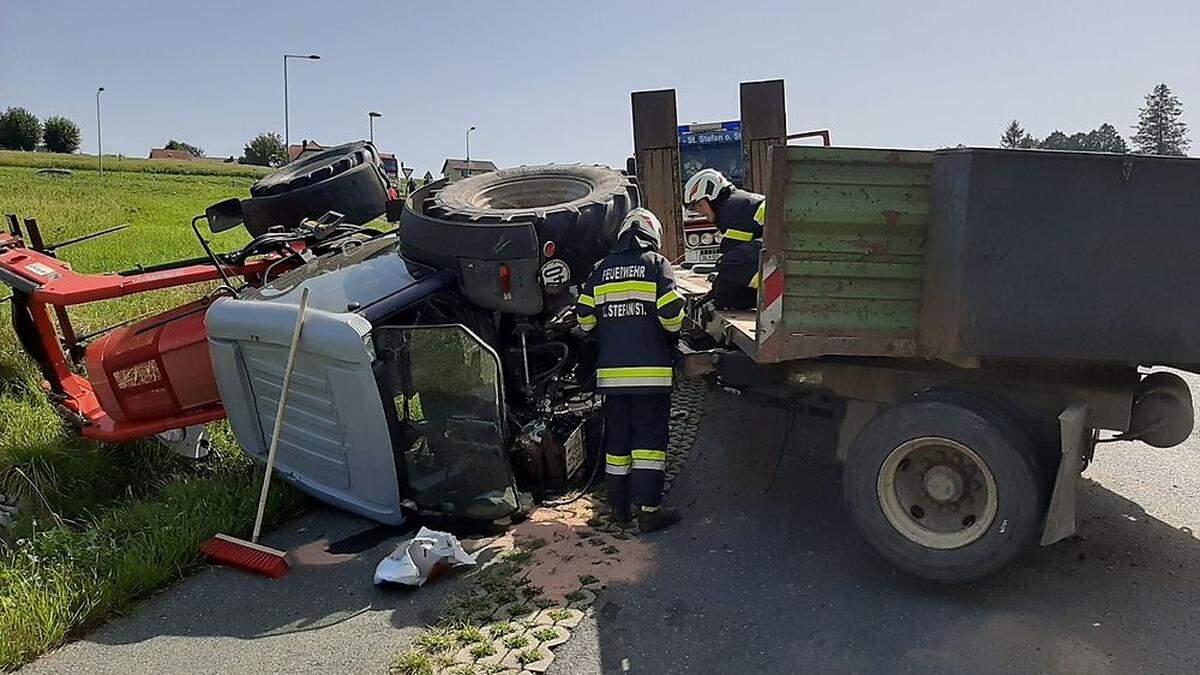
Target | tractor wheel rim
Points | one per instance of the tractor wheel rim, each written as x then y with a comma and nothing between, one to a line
937,492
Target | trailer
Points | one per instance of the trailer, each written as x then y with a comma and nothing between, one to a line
984,316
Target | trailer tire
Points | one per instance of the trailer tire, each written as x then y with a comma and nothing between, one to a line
347,179
1043,443
579,207
944,490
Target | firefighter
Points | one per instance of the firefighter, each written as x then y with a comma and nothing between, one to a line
631,303
739,217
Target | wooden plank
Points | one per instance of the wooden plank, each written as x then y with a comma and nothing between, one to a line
658,173
800,153
852,242
853,289
691,284
850,316
831,268
859,174
851,215
873,198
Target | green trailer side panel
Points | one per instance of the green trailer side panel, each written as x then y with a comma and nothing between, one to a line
853,246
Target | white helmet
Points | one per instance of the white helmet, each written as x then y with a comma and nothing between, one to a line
644,221
704,184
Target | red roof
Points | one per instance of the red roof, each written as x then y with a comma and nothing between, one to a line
163,153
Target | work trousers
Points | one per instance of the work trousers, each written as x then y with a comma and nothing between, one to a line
728,294
637,429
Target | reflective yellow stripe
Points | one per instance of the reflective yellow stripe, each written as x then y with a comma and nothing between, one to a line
653,455
760,216
669,297
634,376
649,465
754,282
634,371
618,460
627,290
740,235
587,300
673,323
587,320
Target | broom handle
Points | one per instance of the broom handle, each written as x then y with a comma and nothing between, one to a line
283,392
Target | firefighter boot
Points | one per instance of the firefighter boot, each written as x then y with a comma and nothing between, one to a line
651,518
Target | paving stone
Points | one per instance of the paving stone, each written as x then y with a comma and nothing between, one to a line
583,598
561,635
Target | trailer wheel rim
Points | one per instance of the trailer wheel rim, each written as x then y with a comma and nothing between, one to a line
937,492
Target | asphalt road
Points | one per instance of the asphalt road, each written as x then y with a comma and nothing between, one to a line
764,575
760,580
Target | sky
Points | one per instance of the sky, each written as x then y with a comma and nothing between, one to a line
550,81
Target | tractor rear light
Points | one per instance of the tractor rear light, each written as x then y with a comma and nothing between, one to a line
549,249
505,282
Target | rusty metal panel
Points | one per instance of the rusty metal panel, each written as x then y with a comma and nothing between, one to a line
656,154
764,124
658,179
654,119
848,227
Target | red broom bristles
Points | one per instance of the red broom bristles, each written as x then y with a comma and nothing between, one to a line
232,552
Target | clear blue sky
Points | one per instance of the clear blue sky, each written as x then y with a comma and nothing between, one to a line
550,81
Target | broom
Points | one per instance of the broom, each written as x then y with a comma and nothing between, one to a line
251,556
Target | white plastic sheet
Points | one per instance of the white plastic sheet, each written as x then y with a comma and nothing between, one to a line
414,560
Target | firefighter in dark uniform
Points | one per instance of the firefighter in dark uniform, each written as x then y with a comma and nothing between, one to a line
631,303
739,217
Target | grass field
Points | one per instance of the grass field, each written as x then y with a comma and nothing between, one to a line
40,160
103,525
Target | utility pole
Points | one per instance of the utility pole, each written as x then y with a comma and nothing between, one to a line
371,120
467,171
99,142
287,137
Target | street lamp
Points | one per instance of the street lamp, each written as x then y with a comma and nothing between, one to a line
371,120
468,169
287,138
99,144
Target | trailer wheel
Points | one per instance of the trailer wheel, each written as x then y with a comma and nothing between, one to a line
944,490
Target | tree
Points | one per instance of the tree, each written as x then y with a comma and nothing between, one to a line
1159,129
62,135
1057,141
1105,139
19,130
265,149
195,151
1016,137
1101,139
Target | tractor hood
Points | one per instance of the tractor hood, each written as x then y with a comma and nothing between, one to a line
369,279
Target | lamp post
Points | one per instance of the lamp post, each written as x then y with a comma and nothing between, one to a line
287,137
467,171
99,143
371,120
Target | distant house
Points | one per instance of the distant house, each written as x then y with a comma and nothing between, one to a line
306,147
163,153
456,169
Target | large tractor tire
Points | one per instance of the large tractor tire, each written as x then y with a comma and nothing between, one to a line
348,179
578,207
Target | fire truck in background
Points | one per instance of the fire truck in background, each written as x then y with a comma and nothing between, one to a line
715,145
712,145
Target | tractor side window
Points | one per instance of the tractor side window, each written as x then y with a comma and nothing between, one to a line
447,396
